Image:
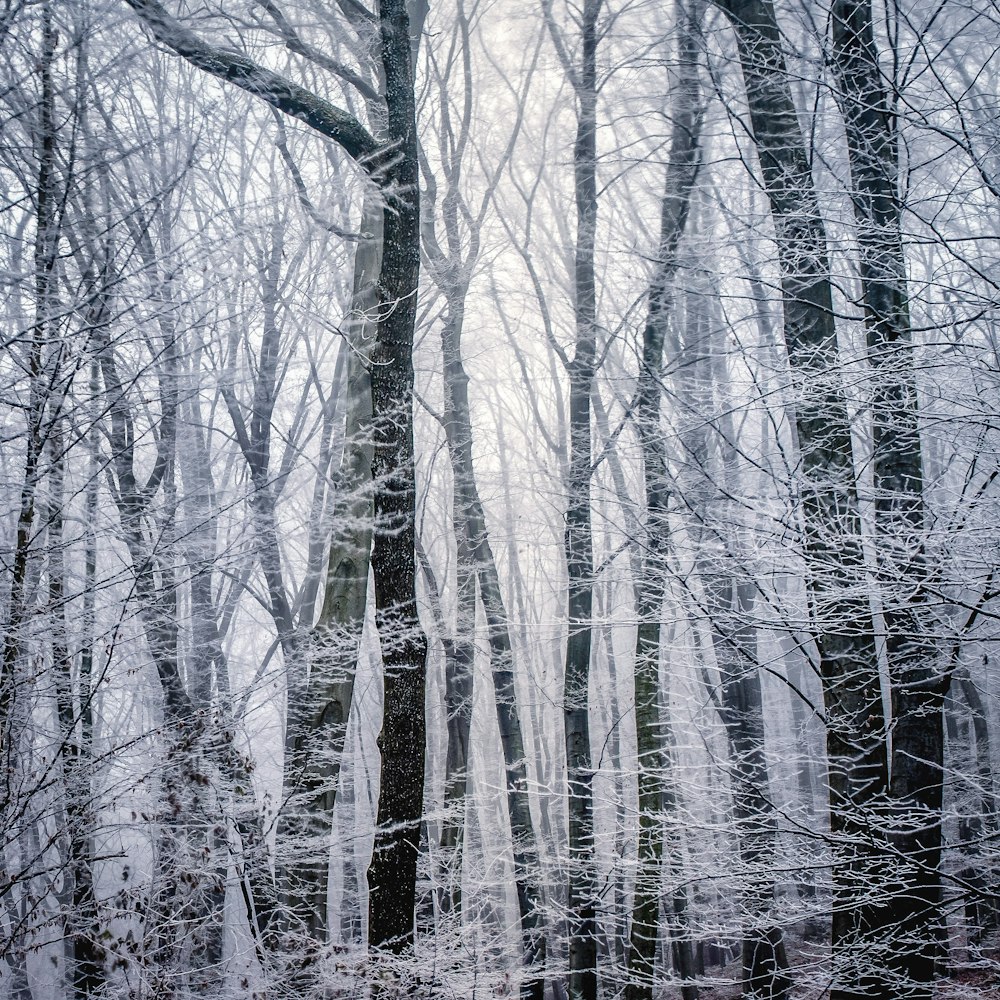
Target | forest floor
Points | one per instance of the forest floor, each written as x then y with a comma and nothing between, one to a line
978,981
971,984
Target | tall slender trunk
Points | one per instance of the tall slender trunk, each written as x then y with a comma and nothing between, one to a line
919,683
459,656
579,547
652,747
301,883
87,974
476,556
208,674
452,264
17,817
45,257
84,972
969,726
392,875
831,527
765,963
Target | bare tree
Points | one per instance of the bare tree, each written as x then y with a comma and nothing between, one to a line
580,371
655,789
831,528
392,165
451,265
912,919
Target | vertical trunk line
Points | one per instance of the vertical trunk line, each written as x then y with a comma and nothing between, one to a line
654,759
578,541
913,923
392,874
831,528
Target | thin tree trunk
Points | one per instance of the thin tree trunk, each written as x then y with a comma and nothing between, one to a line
319,705
88,956
980,823
765,964
207,664
729,602
17,818
451,267
84,972
581,905
459,656
45,258
653,753
475,556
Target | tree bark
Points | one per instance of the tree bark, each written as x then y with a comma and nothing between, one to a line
392,165
653,751
831,527
581,905
979,822
765,963
729,600
451,267
393,872
913,918
319,707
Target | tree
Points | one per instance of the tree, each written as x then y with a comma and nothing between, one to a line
831,526
580,371
713,485
655,790
452,266
918,683
392,166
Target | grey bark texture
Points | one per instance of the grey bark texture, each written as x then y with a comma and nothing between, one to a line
831,526
912,922
578,541
655,788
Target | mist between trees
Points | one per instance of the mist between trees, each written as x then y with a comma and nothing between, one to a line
499,499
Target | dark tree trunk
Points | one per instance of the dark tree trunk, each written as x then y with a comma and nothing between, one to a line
393,872
476,556
88,956
978,819
765,964
83,953
581,906
712,452
17,815
392,166
459,657
831,525
451,266
45,258
913,911
655,787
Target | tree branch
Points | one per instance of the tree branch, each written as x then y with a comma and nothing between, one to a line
243,72
295,43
